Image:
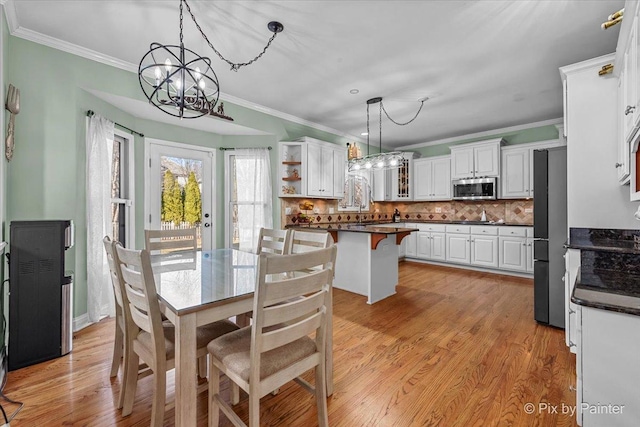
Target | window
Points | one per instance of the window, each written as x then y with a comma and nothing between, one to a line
357,192
122,189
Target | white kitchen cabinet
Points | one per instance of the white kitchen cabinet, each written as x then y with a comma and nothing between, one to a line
458,246
484,246
423,241
609,369
622,165
431,242
394,184
513,248
516,173
319,171
432,178
325,167
630,84
478,159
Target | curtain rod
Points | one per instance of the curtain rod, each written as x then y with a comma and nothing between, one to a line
235,148
91,113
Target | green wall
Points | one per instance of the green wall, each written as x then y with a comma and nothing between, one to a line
46,178
543,133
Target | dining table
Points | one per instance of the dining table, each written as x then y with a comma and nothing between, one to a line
201,288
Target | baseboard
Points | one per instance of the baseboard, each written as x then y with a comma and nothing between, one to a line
472,267
80,322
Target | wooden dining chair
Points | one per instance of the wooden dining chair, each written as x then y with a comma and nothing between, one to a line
119,341
304,241
273,351
273,241
152,341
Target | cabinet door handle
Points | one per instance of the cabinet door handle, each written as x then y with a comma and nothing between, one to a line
572,388
571,311
572,344
629,109
618,165
562,278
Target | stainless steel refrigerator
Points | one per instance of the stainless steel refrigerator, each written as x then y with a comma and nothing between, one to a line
550,234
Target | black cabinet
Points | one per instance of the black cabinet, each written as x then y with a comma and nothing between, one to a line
39,292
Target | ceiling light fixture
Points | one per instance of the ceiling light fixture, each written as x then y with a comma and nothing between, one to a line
182,83
380,160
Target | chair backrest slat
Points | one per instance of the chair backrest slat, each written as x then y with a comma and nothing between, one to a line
291,288
304,241
184,239
290,333
282,313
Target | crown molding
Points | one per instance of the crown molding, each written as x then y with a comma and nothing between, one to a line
492,132
93,55
586,65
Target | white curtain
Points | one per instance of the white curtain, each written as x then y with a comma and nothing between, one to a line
100,135
253,195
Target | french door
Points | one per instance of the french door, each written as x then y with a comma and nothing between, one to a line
179,189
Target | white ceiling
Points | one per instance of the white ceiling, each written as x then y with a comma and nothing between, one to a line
483,64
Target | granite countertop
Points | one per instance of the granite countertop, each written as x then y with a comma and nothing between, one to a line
620,241
342,225
358,228
608,290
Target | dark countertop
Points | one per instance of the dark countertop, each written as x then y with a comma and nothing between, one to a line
608,290
342,225
603,240
358,228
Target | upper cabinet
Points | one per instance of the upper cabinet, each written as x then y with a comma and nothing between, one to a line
394,184
475,160
312,168
516,174
432,178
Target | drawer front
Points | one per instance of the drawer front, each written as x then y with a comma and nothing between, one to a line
513,231
461,229
484,230
432,227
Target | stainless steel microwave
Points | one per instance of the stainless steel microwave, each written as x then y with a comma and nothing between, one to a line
475,189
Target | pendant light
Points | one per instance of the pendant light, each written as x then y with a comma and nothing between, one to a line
380,160
182,83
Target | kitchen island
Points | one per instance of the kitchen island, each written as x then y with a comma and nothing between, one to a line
367,262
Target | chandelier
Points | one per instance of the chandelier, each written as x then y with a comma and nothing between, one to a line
182,83
380,160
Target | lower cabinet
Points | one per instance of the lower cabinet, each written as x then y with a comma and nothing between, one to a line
458,248
514,252
608,368
410,250
484,251
431,245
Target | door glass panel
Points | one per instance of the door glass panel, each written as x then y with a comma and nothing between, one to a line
181,194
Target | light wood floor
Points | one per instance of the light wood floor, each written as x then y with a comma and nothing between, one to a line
453,347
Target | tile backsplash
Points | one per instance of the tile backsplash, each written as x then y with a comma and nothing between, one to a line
518,211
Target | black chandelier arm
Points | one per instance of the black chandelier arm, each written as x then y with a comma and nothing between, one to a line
234,66
406,123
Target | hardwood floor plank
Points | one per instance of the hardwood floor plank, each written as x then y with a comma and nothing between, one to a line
452,347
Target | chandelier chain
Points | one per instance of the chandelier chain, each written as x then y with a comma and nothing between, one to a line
380,150
234,66
402,124
181,26
367,129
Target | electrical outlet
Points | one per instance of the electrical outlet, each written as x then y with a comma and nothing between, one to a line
287,211
316,211
528,210
331,210
438,210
